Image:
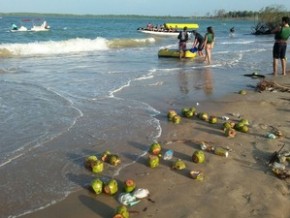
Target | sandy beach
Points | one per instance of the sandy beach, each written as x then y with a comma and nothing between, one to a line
241,185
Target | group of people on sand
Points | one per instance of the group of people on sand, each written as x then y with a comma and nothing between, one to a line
200,42
206,42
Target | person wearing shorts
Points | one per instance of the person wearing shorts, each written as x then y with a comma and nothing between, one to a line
198,41
282,34
183,38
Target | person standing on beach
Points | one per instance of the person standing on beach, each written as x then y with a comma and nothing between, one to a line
282,34
198,41
208,44
183,38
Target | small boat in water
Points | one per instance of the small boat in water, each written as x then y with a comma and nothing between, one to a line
168,29
35,28
19,29
174,53
42,27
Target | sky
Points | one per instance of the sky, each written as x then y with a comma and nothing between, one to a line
137,7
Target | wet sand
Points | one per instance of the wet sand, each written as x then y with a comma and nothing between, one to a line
241,185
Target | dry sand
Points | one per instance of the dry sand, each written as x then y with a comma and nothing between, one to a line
241,185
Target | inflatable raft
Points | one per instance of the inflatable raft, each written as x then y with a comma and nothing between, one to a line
174,53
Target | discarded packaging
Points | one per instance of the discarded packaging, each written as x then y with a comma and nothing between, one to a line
221,152
206,147
128,199
196,174
141,193
168,155
271,136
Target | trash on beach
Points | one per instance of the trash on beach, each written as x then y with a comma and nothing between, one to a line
198,157
206,147
197,175
168,155
128,199
178,165
278,161
271,136
215,150
221,152
141,193
225,118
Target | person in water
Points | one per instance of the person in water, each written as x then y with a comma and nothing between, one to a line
209,44
14,27
183,38
282,34
198,41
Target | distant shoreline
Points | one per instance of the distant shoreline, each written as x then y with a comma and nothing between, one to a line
27,14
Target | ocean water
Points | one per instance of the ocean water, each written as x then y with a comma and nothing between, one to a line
60,96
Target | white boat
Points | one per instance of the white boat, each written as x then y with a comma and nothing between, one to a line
42,27
159,32
20,29
168,29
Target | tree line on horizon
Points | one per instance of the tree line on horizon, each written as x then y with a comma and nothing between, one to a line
267,18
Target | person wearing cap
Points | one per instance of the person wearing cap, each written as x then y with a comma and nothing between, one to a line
208,44
198,42
183,38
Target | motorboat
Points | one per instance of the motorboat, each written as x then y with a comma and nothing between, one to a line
20,29
42,27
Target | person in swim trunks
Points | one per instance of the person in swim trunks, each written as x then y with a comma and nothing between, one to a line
183,38
282,34
198,41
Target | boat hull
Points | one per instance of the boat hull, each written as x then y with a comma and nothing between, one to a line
174,53
159,33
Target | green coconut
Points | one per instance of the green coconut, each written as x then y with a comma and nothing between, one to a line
121,212
111,187
155,148
97,186
179,165
129,185
89,160
198,157
171,114
153,161
97,166
176,119
114,159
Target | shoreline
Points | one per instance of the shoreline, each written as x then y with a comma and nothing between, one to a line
241,185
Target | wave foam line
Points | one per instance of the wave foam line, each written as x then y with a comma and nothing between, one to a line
53,47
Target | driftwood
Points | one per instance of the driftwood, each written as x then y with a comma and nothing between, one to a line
265,85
